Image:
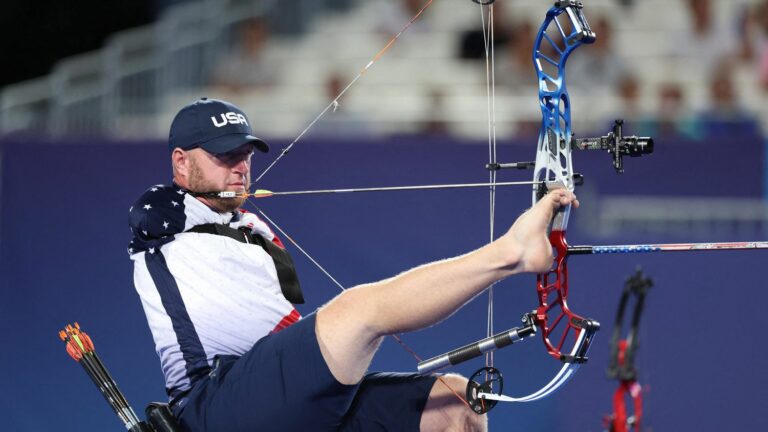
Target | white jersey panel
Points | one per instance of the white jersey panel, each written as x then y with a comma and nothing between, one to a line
230,291
166,343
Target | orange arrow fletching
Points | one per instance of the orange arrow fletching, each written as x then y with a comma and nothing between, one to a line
87,342
73,352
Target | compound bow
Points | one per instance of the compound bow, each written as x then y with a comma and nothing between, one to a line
556,40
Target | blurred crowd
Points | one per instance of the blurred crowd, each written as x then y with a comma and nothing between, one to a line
730,52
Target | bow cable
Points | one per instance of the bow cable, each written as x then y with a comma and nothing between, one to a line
490,86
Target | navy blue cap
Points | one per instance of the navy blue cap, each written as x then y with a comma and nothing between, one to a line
214,125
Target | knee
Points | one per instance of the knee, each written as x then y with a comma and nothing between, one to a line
354,309
446,409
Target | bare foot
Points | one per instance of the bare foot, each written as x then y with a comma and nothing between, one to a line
529,237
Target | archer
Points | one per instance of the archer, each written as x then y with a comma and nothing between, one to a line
217,287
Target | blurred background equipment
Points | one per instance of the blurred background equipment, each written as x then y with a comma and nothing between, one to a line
621,365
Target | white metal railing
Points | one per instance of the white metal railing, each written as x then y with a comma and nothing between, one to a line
102,91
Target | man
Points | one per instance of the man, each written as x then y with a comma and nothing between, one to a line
215,285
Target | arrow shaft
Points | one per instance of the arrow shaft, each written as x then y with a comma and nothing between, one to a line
393,188
665,247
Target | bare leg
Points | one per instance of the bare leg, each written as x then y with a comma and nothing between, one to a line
445,412
351,326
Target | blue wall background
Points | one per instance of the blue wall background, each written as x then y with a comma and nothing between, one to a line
63,236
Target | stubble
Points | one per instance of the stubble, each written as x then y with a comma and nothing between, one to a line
198,183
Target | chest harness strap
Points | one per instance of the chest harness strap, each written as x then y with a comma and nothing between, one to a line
286,271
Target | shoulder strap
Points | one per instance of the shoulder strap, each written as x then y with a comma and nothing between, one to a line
286,270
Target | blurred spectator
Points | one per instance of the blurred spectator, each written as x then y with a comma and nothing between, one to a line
754,42
763,68
626,3
527,128
597,65
628,88
672,116
748,30
245,67
628,92
514,67
340,122
725,114
472,42
436,122
705,39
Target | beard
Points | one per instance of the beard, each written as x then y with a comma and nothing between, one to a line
198,183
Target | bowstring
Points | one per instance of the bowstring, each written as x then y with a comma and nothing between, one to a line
490,84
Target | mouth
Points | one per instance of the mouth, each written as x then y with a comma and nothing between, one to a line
236,187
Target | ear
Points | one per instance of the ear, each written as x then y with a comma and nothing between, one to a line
181,165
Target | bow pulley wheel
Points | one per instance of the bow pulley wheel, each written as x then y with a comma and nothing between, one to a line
485,380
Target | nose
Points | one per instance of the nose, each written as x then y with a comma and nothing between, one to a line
242,165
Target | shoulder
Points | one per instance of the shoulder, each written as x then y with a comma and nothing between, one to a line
158,212
257,226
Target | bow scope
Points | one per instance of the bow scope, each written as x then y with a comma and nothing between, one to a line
617,145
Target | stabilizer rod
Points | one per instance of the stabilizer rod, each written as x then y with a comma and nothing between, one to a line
477,349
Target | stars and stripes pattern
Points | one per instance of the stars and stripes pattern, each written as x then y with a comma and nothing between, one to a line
156,217
164,211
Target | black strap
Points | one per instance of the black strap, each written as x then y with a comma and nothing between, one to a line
161,418
286,270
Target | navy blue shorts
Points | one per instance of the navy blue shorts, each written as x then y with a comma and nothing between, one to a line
284,384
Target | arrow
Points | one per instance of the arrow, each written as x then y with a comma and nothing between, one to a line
264,193
665,247
80,347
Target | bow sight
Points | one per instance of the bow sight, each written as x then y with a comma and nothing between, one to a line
616,144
